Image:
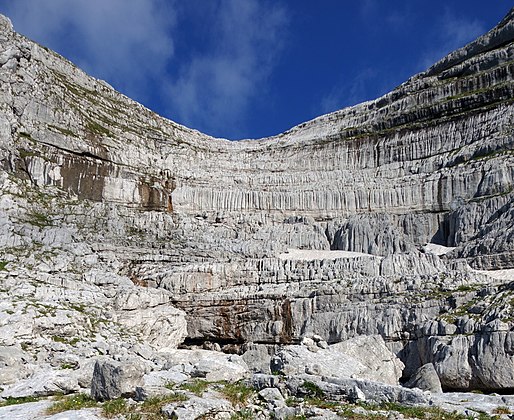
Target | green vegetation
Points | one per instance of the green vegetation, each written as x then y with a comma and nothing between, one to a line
382,411
466,288
96,128
68,366
79,307
242,415
39,219
415,412
25,135
502,410
62,130
3,265
313,390
197,387
70,341
347,412
151,408
315,397
26,153
114,408
72,402
238,393
148,410
18,400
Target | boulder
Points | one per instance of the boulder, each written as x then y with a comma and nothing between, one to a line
42,383
261,381
375,392
13,364
211,365
163,327
257,358
113,379
364,357
426,379
472,361
272,396
210,405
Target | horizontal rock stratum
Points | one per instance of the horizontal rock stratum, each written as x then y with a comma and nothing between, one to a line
125,233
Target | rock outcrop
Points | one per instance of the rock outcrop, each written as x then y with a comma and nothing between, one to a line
125,235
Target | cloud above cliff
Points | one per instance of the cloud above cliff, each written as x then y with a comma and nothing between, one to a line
128,43
252,68
449,33
223,64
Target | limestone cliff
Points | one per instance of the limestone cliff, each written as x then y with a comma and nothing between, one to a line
383,218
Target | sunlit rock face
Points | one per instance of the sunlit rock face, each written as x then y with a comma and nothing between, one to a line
125,226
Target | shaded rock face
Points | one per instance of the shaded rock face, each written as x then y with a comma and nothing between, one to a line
113,380
426,379
116,222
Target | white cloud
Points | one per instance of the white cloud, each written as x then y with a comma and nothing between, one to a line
128,43
215,87
451,33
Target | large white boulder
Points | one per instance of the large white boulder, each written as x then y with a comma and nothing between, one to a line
363,357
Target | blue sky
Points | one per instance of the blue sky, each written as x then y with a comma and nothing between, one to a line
252,68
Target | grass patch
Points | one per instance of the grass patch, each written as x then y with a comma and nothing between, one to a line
3,264
348,413
79,307
313,390
71,341
62,130
237,393
292,401
96,128
68,366
466,288
502,410
18,400
383,411
420,412
409,411
72,402
197,387
151,408
26,153
322,403
114,408
40,220
245,414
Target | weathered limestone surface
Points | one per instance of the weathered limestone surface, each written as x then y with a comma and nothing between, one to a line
359,357
113,380
123,234
426,379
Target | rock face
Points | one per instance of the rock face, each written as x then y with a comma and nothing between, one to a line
118,227
359,357
425,379
113,380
